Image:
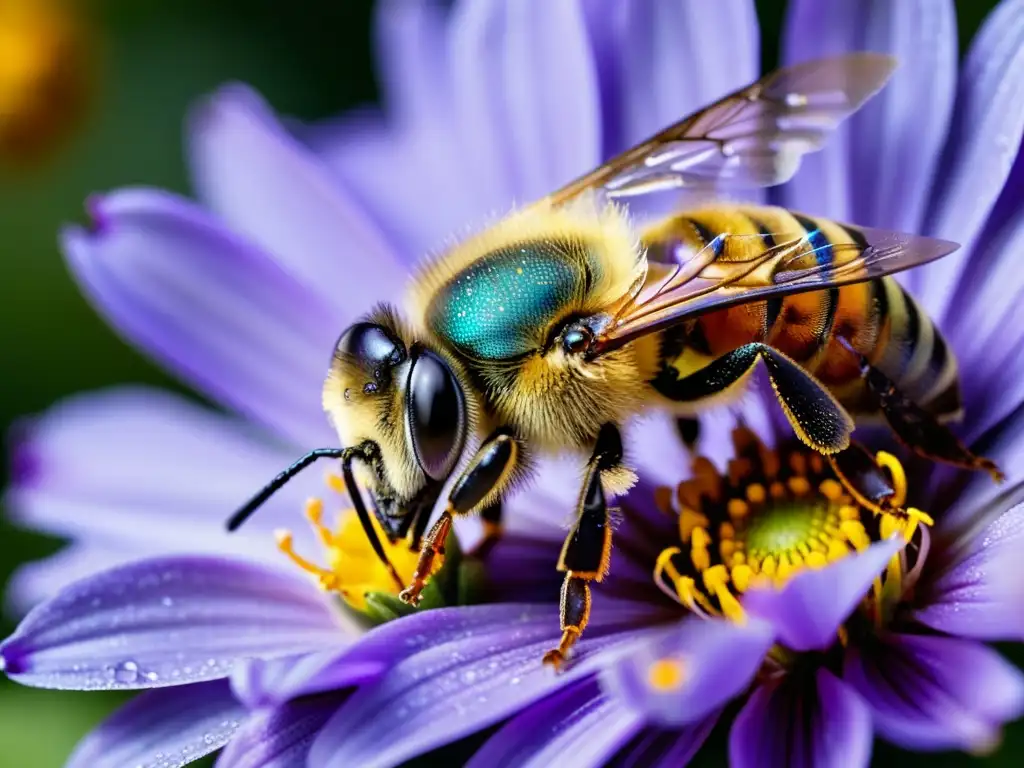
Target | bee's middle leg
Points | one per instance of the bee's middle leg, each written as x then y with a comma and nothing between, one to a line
587,549
479,485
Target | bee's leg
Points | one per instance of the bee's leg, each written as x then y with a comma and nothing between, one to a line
859,472
483,480
917,429
587,550
816,416
689,431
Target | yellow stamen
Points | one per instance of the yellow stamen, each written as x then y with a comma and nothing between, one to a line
897,475
836,550
336,483
741,575
315,513
352,569
849,512
831,489
716,579
768,566
816,560
727,548
285,543
855,534
690,519
699,549
785,569
799,486
737,509
666,674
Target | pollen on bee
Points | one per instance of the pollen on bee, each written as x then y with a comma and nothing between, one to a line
666,674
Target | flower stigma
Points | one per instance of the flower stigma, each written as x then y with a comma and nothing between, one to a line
352,568
773,514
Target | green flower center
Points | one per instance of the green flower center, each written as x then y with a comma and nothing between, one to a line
769,516
784,526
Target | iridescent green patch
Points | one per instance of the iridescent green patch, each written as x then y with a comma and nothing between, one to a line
499,307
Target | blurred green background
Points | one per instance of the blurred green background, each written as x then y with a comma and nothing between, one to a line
312,59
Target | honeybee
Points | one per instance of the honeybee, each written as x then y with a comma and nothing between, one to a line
550,329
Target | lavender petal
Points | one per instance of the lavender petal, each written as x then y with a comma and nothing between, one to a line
411,61
963,510
549,82
890,151
575,726
132,472
988,121
280,737
261,683
167,621
807,611
988,331
277,193
666,748
668,60
163,729
980,594
40,580
487,670
822,723
716,659
214,309
929,693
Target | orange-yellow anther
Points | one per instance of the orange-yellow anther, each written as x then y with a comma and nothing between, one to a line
699,542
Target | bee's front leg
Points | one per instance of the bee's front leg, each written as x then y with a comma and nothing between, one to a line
481,484
587,550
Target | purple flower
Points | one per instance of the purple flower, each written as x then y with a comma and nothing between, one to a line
244,297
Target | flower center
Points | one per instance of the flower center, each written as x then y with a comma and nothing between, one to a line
770,516
353,570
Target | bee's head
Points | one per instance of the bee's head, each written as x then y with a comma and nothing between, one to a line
401,401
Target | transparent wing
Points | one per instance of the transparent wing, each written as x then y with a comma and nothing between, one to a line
754,137
733,269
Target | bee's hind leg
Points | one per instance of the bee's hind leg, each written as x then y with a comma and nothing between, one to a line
917,428
587,549
480,484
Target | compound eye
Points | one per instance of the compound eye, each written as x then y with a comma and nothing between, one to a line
371,345
436,415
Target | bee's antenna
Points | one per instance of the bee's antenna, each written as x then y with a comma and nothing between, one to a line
257,501
364,516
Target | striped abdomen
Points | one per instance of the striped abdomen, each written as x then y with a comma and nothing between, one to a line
878,318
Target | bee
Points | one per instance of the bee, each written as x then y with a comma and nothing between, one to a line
550,329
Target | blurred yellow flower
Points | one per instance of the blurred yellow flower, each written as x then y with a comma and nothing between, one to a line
45,76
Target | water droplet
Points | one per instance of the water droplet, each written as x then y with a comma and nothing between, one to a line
468,676
515,681
208,738
167,602
126,672
151,676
